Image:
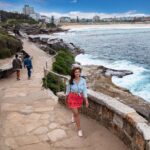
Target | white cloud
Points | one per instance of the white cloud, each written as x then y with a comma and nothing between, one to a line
10,6
74,14
74,1
5,4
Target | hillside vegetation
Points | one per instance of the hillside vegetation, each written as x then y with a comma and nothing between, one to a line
63,63
13,18
9,45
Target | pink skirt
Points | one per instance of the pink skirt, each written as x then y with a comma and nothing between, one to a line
75,100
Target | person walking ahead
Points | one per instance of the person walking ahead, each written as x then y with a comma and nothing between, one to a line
28,65
76,92
17,66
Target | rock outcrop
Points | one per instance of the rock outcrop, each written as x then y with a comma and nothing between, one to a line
51,44
39,29
99,79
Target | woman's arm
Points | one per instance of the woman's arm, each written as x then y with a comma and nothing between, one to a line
67,89
85,94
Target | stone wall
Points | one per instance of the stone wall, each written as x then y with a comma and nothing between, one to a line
119,118
6,72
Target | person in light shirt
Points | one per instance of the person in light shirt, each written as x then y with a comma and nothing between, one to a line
76,93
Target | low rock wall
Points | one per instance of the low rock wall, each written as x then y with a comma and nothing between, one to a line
6,72
119,118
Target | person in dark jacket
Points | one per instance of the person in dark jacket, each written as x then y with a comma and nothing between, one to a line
17,66
28,65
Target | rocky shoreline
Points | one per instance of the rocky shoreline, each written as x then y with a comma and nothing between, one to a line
99,78
53,45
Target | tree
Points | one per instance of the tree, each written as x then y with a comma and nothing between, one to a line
78,19
52,20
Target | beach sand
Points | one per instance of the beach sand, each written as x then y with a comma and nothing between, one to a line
106,26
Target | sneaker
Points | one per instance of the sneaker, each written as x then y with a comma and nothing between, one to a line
80,134
72,119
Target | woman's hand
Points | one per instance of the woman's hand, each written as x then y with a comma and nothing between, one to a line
86,103
66,98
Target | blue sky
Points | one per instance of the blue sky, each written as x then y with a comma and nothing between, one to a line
81,6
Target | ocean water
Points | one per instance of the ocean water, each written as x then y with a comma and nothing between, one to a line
118,49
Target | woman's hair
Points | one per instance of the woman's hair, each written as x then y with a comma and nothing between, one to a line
27,56
16,55
73,74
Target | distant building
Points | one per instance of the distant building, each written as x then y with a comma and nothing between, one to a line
85,20
35,16
27,10
45,19
107,19
65,19
96,19
145,19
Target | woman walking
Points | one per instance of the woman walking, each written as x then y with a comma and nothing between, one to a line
76,93
17,66
28,65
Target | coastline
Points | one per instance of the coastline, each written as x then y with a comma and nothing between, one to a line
104,84
100,82
106,26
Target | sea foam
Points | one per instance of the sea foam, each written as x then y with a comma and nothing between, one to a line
138,83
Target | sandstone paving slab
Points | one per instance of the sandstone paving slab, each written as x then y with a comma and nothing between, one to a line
77,142
17,94
2,145
26,140
32,119
44,122
32,126
53,125
57,134
34,116
10,142
12,107
44,138
15,116
39,146
27,110
43,109
13,129
45,116
41,130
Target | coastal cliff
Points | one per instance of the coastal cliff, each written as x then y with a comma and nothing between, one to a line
99,78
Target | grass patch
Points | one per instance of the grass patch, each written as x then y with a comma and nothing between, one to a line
9,45
63,63
53,82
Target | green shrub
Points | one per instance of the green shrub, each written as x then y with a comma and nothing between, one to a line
4,53
50,25
9,45
54,83
63,63
20,21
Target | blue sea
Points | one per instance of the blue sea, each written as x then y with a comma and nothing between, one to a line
118,49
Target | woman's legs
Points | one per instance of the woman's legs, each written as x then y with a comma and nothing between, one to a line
29,72
76,117
18,74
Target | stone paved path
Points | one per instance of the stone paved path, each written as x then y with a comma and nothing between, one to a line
32,119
